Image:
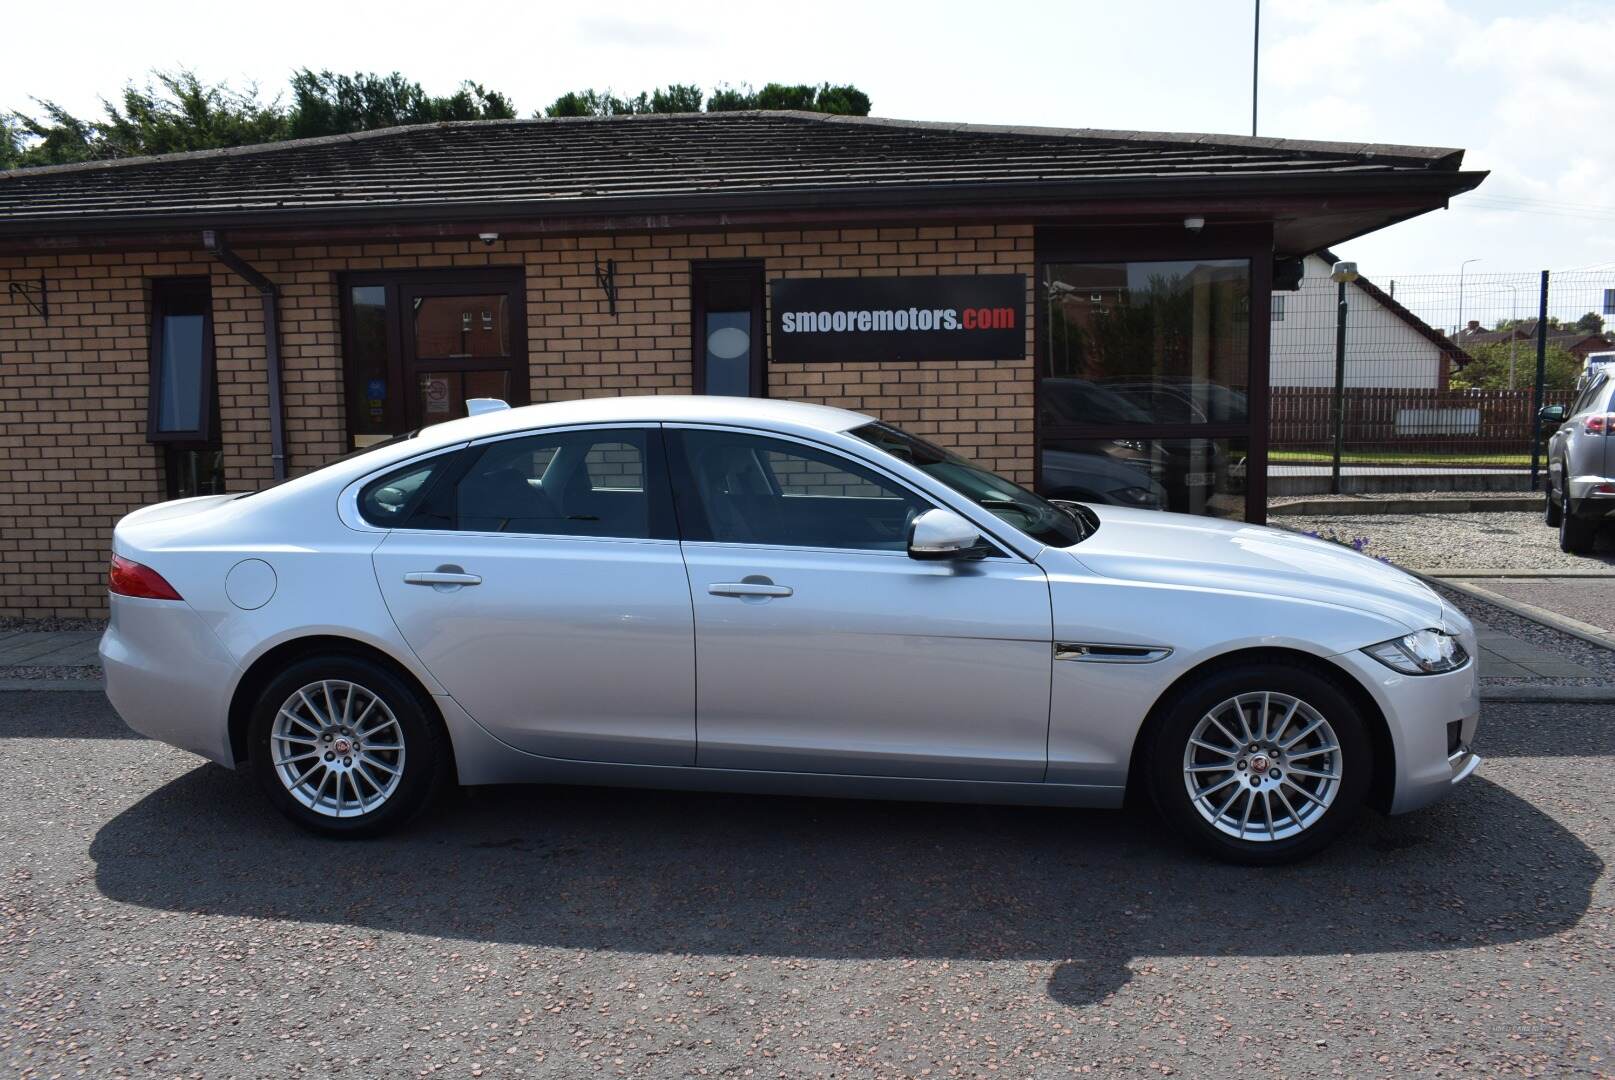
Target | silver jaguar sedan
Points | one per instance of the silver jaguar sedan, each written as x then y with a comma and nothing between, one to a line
747,595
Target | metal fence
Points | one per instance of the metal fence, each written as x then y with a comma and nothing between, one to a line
1435,383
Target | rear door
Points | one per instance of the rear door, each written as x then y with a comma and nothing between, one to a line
543,586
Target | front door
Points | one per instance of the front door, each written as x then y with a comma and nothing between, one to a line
822,647
417,343
549,597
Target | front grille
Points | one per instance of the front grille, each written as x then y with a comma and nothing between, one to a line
1454,737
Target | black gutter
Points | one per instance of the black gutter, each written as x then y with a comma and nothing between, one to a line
857,197
215,245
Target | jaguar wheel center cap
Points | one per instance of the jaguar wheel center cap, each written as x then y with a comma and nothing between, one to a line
1259,763
342,746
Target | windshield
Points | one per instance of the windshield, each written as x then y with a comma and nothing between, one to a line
1031,514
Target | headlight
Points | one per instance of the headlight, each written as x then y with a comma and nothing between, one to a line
1426,652
1134,496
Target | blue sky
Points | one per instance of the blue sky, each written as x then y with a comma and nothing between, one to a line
1526,88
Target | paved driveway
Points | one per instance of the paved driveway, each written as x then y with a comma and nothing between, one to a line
155,918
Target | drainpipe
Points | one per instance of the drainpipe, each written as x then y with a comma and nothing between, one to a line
220,250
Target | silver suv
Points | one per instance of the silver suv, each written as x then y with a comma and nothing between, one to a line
1580,482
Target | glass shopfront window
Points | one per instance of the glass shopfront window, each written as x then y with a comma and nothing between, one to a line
1143,382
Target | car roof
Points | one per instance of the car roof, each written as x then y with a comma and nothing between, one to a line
645,408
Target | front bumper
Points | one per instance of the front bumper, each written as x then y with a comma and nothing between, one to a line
168,675
1417,710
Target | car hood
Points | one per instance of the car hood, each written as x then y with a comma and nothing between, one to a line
1207,553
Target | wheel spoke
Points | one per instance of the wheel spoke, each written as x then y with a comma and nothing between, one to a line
1244,819
1305,793
283,762
1294,771
323,720
1267,707
1233,740
1327,748
1210,768
1303,733
365,757
1230,754
1288,808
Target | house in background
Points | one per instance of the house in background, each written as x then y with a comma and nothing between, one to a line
1577,343
1387,346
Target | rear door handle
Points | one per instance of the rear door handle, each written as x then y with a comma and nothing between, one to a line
443,575
748,588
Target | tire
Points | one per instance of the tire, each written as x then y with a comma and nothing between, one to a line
398,752
1297,827
1551,512
1575,534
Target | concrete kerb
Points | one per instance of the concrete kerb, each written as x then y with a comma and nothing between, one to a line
1593,635
1442,505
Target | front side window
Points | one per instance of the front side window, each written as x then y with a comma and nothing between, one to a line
1009,502
603,483
750,489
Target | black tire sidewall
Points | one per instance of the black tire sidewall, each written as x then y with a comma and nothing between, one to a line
1171,734
425,750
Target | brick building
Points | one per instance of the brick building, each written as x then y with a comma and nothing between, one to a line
217,320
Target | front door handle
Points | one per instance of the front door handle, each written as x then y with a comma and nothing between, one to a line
443,576
748,588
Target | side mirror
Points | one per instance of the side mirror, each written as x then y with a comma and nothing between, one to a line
942,534
1551,414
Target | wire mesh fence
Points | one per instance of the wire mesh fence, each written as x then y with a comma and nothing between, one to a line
1438,376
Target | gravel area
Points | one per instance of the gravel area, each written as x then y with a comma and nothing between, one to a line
12,622
39,671
159,919
1474,541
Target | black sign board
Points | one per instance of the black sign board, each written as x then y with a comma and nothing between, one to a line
946,317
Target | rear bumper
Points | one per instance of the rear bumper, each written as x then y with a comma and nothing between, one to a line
1417,711
1587,498
168,675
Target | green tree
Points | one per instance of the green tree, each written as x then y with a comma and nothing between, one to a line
325,103
680,98
1490,368
176,111
1591,323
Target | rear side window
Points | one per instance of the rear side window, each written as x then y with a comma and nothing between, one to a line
398,499
600,482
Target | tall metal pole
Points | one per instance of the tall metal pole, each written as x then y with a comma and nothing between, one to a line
1256,56
1541,379
1461,266
1340,388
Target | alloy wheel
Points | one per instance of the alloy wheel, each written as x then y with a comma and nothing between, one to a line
1262,766
337,748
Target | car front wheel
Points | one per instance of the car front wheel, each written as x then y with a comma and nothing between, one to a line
1551,512
345,747
1261,765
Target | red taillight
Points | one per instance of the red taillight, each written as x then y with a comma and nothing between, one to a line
128,578
1599,425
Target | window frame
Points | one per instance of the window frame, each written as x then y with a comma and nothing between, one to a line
165,294
694,527
704,271
403,365
1101,244
661,522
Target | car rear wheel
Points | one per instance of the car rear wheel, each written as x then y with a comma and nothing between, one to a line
1575,534
345,747
1262,765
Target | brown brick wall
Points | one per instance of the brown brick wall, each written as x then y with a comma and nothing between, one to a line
73,393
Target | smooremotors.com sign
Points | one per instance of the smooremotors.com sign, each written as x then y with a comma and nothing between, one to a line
974,317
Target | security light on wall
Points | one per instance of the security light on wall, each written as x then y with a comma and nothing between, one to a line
1343,272
1194,224
488,237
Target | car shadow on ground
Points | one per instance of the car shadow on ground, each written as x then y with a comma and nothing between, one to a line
1086,892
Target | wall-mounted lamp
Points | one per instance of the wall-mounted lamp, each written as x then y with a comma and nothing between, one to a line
488,237
1194,224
